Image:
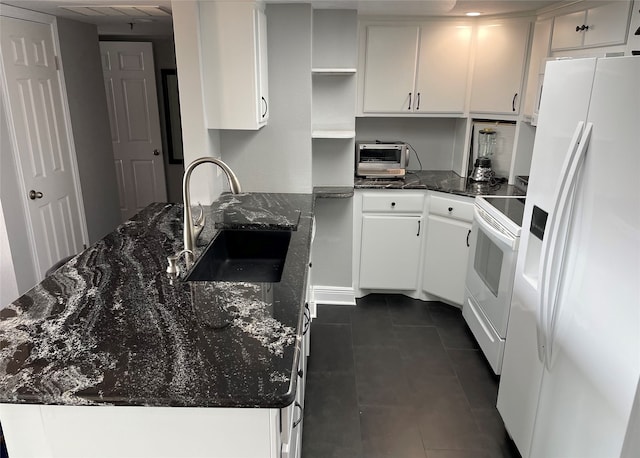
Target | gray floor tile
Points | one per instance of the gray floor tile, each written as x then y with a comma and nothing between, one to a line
379,377
331,348
390,432
371,323
407,311
415,340
497,440
447,423
334,314
459,454
479,382
331,417
393,377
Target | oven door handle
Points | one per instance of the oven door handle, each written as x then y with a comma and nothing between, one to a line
503,240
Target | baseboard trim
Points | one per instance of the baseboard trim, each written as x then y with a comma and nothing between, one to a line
334,295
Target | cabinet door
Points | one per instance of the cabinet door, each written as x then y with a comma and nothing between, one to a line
390,252
390,68
234,76
445,262
443,67
262,98
565,35
608,24
499,66
537,62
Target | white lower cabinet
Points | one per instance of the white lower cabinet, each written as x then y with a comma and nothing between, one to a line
404,245
390,237
291,417
447,247
390,252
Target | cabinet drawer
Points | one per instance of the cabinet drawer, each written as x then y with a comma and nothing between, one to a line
452,208
400,202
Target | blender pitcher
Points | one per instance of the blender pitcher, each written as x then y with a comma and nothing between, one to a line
486,147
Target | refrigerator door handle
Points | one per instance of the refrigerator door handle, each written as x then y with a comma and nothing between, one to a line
561,235
546,255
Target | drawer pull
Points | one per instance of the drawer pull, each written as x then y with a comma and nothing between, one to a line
297,422
450,209
307,318
393,204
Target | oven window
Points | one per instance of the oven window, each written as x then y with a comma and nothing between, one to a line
488,262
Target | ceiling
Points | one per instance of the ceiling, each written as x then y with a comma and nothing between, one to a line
136,17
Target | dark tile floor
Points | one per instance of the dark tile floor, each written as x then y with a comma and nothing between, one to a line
396,377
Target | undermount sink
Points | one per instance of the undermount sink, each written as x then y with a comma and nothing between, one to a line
243,255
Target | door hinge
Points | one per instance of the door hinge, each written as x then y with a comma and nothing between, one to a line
55,59
84,246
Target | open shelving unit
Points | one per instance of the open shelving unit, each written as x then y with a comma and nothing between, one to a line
333,97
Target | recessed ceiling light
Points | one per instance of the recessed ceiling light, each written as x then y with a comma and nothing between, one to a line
473,13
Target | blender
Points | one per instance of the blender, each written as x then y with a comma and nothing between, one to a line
486,147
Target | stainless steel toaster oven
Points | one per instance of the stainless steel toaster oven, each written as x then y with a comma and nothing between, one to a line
377,159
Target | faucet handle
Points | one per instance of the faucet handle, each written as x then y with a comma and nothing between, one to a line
172,268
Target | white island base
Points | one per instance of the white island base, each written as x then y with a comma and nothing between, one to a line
40,431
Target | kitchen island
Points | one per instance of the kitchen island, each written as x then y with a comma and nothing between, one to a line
109,356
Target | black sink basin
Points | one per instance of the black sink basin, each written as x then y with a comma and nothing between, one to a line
243,255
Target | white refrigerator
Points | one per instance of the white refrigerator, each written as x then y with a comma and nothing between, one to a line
572,357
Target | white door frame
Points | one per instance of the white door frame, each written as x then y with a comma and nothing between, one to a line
27,15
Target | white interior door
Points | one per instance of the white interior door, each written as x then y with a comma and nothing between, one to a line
130,83
46,162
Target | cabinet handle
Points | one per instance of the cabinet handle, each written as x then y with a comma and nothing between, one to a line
307,318
450,209
393,204
418,101
513,102
468,234
409,107
297,422
580,28
266,106
418,234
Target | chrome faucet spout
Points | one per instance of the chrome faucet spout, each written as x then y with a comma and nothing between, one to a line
234,185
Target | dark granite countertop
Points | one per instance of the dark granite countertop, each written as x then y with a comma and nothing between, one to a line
109,327
439,180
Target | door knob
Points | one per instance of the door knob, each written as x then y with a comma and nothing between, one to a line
156,152
33,195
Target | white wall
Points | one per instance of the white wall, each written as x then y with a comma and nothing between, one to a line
80,56
197,140
433,138
277,158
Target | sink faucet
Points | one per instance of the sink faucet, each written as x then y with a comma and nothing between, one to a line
234,185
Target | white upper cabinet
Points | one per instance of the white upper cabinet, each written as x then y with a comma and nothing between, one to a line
234,64
500,58
415,68
443,67
537,63
390,68
604,25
